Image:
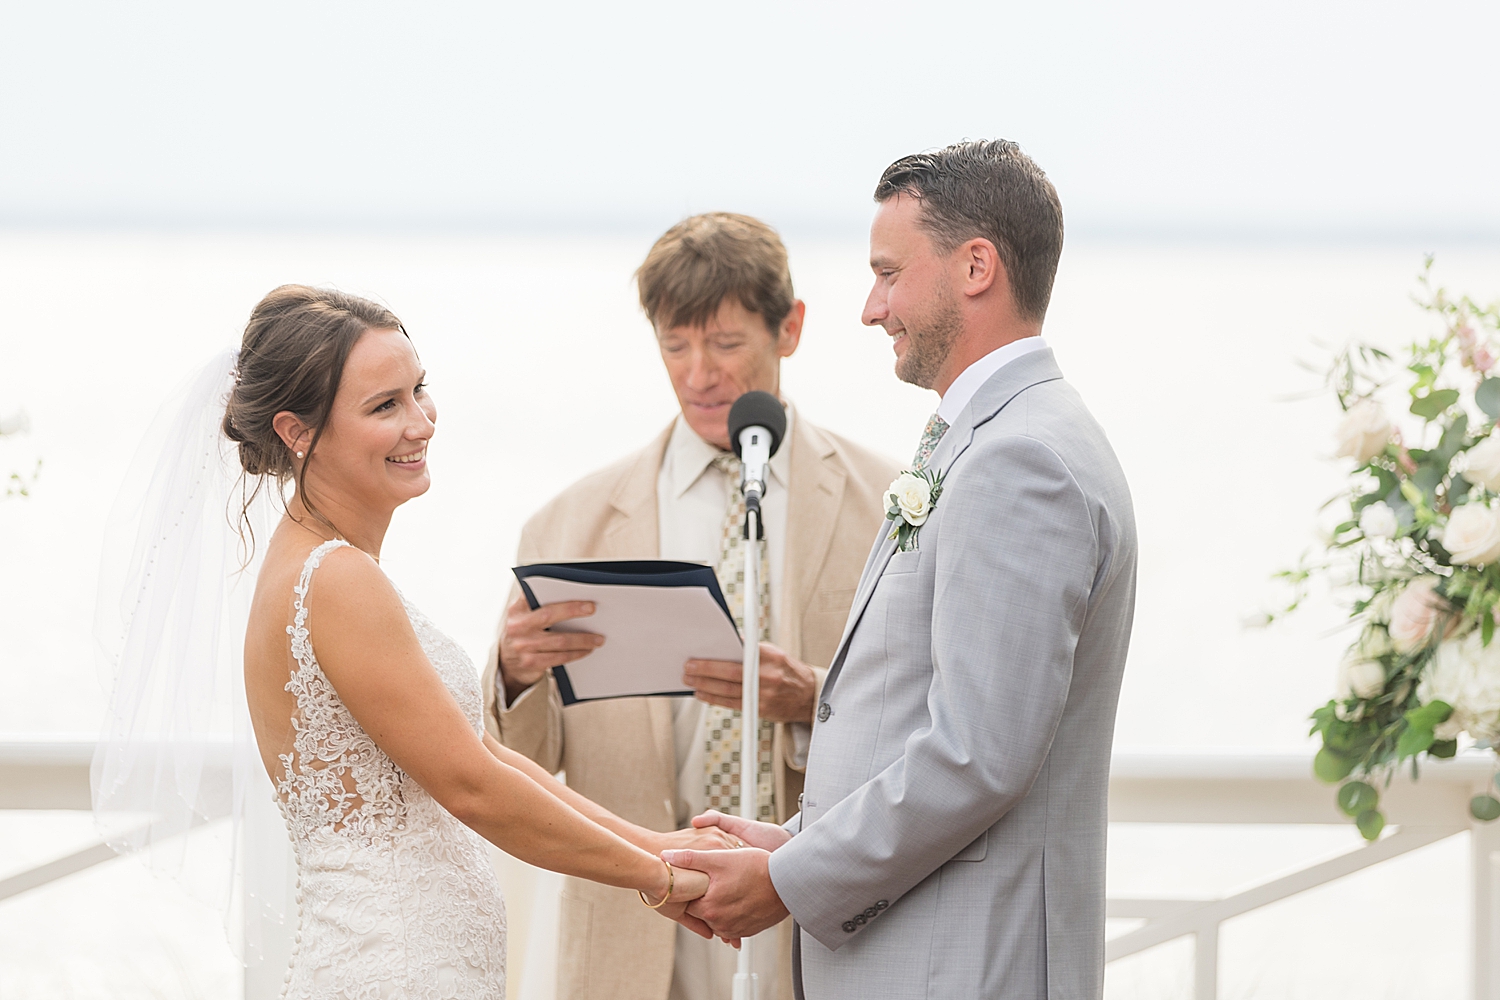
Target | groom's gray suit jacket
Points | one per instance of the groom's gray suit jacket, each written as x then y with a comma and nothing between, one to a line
951,838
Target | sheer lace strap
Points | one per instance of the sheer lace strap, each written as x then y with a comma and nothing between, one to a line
298,629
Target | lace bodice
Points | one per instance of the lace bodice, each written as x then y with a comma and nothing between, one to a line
397,899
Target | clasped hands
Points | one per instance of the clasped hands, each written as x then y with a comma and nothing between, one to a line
740,900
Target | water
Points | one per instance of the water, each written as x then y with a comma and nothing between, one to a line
543,369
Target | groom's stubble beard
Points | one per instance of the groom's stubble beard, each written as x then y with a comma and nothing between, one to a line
929,341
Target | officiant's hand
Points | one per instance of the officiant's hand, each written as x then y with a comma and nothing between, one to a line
528,650
740,900
788,687
743,832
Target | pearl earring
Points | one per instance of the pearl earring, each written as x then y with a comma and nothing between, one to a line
299,454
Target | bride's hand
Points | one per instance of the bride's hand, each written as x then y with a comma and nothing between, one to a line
687,886
710,838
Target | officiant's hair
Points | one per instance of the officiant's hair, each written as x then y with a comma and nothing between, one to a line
703,260
292,359
988,189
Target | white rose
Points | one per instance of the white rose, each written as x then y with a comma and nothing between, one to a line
1466,675
1364,431
1360,677
1378,521
1413,613
1483,464
16,423
1472,536
913,495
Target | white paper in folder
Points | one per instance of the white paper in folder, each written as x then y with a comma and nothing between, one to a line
649,634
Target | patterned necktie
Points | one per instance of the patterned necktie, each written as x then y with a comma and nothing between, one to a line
722,762
931,435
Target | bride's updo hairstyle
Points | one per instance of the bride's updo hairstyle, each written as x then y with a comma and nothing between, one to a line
292,359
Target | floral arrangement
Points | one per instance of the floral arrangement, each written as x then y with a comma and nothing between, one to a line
1418,556
909,500
17,485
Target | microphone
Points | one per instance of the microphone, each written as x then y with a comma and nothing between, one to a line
757,424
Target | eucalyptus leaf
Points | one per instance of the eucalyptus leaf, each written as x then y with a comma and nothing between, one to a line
1357,796
1487,397
1331,767
1453,439
1428,476
1484,807
1370,823
1443,749
1432,405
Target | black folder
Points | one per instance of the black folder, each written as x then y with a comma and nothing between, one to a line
656,573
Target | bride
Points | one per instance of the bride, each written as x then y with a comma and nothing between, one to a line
366,717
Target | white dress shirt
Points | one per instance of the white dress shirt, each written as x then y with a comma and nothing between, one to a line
971,378
691,499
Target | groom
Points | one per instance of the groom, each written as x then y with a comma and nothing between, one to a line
951,836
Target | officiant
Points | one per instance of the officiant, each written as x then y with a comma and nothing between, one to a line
717,290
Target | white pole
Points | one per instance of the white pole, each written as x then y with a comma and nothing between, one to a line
745,985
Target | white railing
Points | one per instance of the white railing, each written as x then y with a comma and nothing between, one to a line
1185,788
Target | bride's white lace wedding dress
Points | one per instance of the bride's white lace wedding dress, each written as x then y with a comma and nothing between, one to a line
396,898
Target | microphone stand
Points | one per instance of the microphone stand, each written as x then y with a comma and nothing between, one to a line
746,986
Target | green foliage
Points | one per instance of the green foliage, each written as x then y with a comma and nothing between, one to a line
1487,397
18,485
1451,383
1484,807
1370,823
1357,796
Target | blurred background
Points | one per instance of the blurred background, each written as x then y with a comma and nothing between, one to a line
1246,187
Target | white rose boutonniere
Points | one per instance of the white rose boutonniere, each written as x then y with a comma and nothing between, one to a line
909,501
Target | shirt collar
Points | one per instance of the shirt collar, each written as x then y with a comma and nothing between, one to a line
688,456
971,378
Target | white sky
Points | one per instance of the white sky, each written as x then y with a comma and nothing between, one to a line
1302,118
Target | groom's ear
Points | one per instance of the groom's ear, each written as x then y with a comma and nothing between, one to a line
982,268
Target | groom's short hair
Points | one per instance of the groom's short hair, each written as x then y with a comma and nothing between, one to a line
988,189
704,260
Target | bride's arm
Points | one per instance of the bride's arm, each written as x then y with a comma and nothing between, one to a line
704,839
366,647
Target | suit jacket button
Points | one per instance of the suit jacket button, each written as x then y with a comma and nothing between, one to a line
799,799
849,926
881,905
824,711
871,912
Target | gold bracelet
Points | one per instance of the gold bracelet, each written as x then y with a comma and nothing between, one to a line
671,881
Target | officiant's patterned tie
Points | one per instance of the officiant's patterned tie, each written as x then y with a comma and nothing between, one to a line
723,758
931,435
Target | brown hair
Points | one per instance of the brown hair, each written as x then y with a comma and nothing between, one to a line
703,260
988,189
292,359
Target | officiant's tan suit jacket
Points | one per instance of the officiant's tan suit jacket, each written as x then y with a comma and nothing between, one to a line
619,752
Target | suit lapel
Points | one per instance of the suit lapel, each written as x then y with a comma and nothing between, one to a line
992,397
634,529
818,481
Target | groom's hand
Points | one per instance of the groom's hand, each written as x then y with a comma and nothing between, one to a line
528,650
741,900
766,836
788,687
